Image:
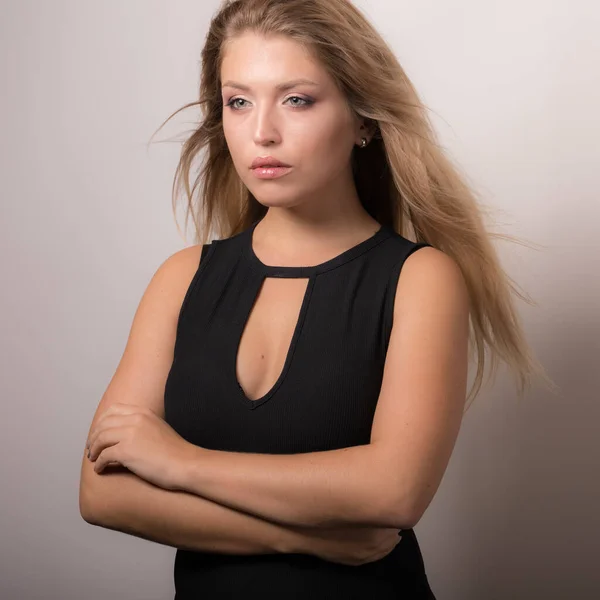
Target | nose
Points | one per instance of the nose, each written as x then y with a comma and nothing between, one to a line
266,131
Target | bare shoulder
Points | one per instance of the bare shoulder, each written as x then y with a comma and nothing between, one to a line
142,371
166,290
161,302
430,277
179,268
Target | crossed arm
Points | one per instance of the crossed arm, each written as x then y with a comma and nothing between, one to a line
391,481
122,501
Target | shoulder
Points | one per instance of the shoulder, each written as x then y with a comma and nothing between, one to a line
181,264
429,277
148,353
174,275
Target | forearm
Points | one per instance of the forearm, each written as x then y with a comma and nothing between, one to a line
334,488
120,500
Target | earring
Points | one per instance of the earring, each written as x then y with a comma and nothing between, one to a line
363,143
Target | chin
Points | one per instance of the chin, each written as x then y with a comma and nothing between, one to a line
277,199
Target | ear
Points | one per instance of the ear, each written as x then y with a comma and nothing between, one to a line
365,128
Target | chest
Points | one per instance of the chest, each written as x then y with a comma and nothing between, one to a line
278,365
268,331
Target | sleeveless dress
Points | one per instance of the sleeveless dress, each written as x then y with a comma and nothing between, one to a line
324,399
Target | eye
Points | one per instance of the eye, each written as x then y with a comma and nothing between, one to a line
303,102
232,101
306,102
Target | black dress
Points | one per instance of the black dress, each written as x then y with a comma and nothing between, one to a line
324,399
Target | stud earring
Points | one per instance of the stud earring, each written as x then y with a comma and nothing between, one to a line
363,143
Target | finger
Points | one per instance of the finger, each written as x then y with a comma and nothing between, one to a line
101,425
105,439
108,422
106,457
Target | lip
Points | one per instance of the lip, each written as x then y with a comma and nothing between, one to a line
270,172
266,162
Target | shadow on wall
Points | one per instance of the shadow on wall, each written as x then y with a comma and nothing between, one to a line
517,515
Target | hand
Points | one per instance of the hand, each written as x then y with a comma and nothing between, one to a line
138,439
352,546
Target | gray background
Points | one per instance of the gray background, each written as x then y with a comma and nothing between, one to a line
86,220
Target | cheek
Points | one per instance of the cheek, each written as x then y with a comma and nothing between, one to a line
328,150
231,139
235,145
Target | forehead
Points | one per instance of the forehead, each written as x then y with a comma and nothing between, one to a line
251,57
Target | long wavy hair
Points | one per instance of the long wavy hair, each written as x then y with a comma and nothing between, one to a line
403,177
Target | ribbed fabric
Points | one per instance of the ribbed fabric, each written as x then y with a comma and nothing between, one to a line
324,399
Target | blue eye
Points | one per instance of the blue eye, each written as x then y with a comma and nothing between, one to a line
306,102
230,103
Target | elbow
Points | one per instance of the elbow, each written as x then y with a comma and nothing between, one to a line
94,495
102,497
400,519
86,508
409,518
88,516
89,507
402,514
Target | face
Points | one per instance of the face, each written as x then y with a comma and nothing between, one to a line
307,125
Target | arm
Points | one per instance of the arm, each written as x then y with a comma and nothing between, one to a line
391,481
122,501
327,489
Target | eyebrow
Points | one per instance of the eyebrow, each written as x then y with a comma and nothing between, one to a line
281,87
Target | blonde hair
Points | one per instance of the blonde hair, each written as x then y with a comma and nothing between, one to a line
403,177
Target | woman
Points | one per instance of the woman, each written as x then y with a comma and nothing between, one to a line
287,404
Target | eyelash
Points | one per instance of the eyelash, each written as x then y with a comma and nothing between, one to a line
305,100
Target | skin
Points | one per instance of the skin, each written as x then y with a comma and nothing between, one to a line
314,213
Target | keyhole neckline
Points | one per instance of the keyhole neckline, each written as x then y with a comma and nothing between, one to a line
308,271
256,402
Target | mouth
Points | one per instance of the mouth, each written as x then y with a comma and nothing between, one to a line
268,162
270,172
